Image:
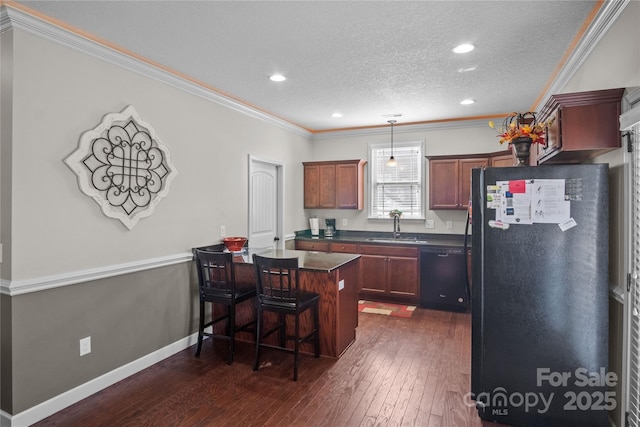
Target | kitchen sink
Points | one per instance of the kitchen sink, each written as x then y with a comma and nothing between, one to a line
396,240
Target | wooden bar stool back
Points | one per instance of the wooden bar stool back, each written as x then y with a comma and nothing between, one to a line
217,285
278,291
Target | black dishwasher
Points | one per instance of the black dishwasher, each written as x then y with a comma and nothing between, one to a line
443,278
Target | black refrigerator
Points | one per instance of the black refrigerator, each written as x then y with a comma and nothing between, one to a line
540,295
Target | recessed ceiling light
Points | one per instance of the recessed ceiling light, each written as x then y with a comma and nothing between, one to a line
466,70
463,48
277,78
467,101
336,115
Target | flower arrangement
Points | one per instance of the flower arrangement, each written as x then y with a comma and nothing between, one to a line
394,213
521,125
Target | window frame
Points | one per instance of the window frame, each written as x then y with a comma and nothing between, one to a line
372,185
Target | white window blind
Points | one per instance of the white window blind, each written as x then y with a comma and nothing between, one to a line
398,187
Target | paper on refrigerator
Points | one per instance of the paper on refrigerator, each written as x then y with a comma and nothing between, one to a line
515,203
529,201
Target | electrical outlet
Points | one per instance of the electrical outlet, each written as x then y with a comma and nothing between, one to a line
85,346
449,224
223,231
345,222
430,224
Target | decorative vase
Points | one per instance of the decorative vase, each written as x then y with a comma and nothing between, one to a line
522,145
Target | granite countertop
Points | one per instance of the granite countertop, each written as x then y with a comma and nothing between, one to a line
307,260
410,239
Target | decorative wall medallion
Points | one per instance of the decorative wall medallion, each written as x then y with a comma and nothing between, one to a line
123,166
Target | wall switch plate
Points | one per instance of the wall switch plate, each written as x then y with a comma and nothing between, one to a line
85,346
430,223
223,231
345,222
449,224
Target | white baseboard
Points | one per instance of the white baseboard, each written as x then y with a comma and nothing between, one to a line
68,398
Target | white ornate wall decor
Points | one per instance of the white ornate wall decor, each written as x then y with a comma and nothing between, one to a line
123,166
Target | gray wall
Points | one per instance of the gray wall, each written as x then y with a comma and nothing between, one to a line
127,317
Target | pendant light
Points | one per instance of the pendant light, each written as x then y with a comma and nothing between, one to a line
392,161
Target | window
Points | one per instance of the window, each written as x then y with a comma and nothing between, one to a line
398,187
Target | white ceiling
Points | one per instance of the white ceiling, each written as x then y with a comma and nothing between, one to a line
365,59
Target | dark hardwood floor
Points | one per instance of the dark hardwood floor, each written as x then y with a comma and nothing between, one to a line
409,372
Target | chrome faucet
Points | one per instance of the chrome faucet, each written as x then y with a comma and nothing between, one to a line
396,226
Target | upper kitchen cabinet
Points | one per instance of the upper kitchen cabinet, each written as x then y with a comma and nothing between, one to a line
585,125
319,185
502,159
450,180
334,184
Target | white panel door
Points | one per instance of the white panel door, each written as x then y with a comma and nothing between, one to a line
263,204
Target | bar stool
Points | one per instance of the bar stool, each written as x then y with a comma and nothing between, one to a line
277,288
217,284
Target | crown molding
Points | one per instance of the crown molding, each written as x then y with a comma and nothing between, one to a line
14,18
603,20
400,128
10,17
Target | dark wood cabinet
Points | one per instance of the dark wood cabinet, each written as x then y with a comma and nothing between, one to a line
334,184
373,275
450,180
585,125
319,186
350,185
389,273
506,159
444,175
347,248
311,245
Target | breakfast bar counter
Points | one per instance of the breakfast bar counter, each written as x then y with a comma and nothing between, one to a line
307,260
333,276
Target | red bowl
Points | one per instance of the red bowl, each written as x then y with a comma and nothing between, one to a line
234,244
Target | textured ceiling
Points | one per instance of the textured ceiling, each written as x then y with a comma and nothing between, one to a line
365,59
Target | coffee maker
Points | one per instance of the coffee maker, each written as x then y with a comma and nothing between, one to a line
331,227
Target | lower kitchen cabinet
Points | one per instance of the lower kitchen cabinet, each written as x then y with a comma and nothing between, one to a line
373,274
318,246
345,248
390,273
387,273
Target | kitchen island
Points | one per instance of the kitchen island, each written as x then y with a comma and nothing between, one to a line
333,276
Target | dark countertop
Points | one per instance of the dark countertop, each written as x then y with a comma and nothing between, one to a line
307,260
409,239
